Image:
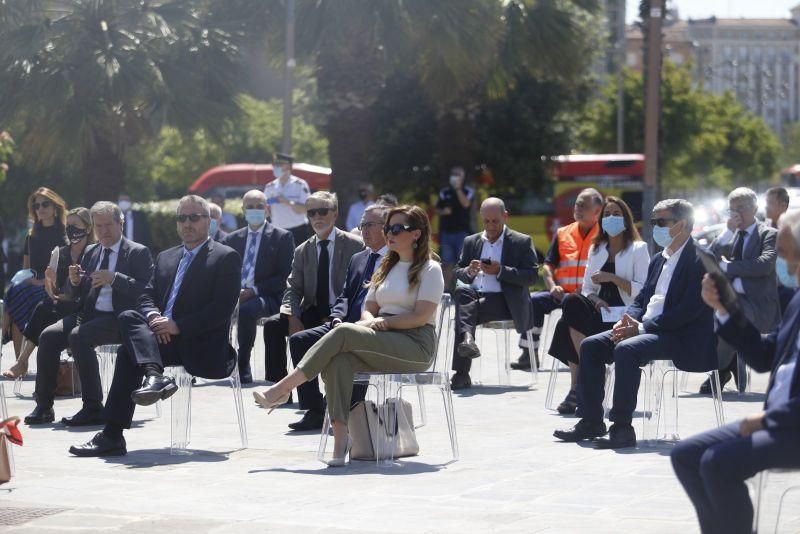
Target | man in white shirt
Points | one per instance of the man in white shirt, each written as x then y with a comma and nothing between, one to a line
286,199
366,198
667,321
714,466
746,252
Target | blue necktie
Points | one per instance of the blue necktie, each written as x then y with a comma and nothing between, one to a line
186,260
249,257
354,308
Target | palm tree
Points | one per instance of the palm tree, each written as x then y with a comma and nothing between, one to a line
82,80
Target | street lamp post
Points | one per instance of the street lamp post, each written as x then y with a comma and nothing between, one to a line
288,82
652,112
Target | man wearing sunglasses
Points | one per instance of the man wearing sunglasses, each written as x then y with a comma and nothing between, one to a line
182,318
667,321
266,253
347,308
317,277
746,253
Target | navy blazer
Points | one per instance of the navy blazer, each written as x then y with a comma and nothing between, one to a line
273,260
203,307
353,281
687,320
766,352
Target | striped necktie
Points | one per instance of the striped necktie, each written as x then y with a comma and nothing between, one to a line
186,260
249,257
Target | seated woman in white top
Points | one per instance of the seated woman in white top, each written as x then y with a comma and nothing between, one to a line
615,272
395,333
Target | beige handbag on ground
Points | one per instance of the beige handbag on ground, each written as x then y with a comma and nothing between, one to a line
5,461
366,427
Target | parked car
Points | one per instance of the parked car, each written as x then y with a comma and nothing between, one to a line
234,180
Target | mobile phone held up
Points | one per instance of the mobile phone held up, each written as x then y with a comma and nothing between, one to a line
486,261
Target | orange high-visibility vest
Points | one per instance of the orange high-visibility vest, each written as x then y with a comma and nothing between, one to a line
573,255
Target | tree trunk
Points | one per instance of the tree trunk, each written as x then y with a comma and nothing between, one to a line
103,173
457,143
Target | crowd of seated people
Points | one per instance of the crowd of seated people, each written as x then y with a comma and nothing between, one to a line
346,302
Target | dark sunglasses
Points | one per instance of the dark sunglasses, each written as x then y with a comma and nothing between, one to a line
661,222
322,212
194,217
397,229
42,204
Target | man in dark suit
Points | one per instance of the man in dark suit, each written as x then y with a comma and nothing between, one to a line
266,253
713,466
746,252
495,269
110,279
182,318
667,321
347,309
136,228
317,277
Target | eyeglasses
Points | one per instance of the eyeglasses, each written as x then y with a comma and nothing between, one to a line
194,217
661,222
322,212
367,225
255,207
42,204
397,229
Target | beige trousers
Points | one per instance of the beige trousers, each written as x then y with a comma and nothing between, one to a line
349,349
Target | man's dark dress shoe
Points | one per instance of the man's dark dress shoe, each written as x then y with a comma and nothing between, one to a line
245,378
101,445
460,381
619,437
583,430
40,416
311,421
724,378
468,348
569,405
154,389
84,418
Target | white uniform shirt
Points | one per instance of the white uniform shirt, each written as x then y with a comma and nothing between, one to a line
656,305
295,190
128,225
488,283
104,303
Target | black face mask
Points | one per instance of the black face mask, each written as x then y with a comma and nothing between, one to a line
362,194
75,234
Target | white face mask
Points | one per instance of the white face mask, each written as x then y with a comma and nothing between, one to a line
124,205
454,179
277,171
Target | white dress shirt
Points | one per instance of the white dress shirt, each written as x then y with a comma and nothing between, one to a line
104,302
250,280
727,237
488,283
295,190
128,225
331,244
656,304
355,213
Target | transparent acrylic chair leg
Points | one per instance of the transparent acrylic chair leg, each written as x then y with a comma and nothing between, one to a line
4,415
447,398
551,385
236,389
502,357
323,437
181,408
786,492
531,353
423,415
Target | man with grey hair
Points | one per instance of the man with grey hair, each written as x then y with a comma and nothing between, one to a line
317,277
714,466
746,253
108,281
215,230
183,317
496,268
667,321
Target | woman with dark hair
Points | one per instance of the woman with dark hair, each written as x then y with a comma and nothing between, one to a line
47,312
48,212
395,333
615,272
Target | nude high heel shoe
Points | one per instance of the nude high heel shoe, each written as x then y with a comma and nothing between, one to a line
261,399
340,462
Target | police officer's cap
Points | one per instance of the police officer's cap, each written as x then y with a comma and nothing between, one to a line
283,158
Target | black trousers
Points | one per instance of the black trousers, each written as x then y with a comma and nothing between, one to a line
713,467
275,331
474,308
45,314
309,394
579,313
300,233
97,328
139,346
249,314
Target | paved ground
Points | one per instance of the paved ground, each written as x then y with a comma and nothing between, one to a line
512,475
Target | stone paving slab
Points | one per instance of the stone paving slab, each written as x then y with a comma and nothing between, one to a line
512,475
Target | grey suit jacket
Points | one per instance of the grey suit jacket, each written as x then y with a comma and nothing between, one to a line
301,286
757,271
519,269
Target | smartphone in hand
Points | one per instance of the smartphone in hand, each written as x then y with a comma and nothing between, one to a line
486,261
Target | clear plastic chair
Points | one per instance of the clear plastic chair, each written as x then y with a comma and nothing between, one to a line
181,401
502,331
545,340
107,354
760,519
3,416
655,416
389,386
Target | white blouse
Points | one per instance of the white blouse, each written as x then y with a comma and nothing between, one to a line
394,297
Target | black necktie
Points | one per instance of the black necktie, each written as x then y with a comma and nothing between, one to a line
368,272
104,262
323,280
738,247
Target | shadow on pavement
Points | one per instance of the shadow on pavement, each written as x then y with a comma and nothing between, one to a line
143,458
361,467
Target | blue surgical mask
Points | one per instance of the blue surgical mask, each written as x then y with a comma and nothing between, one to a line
213,226
784,276
661,236
255,217
614,225
277,171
